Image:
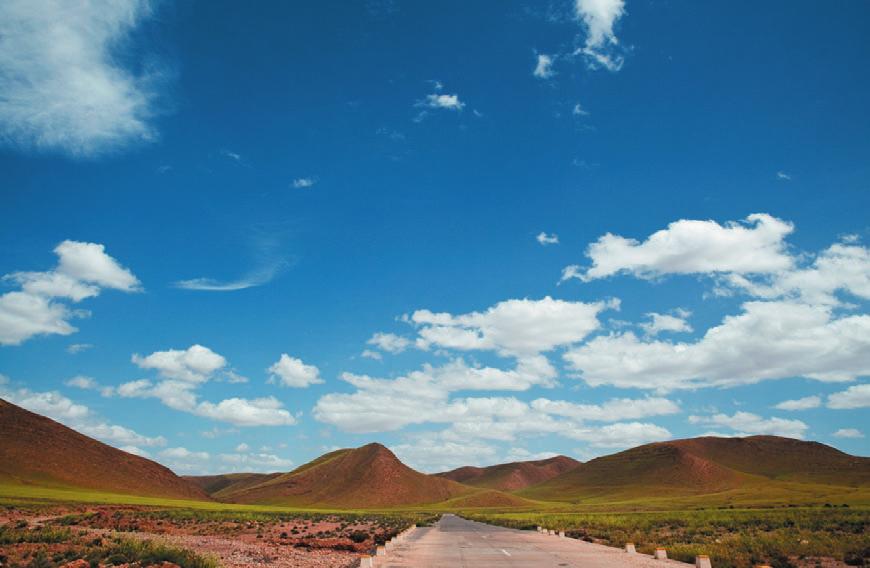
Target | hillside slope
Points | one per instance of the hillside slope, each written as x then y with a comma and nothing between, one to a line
370,476
709,465
35,450
511,476
228,483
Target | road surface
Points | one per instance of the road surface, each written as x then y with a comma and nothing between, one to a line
456,542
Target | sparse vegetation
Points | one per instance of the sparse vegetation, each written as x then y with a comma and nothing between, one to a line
731,537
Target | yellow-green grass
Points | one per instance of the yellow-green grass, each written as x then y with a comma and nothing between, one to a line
731,537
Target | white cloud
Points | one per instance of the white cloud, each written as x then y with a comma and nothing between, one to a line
746,424
613,410
599,18
513,327
620,435
77,348
693,247
783,176
857,396
184,453
369,354
292,372
61,85
243,447
304,182
259,277
769,340
804,403
256,461
119,435
544,67
82,382
666,322
545,239
578,110
83,269
848,433
196,364
183,371
429,453
389,342
442,101
841,267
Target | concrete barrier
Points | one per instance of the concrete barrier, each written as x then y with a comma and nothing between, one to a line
561,534
381,551
365,562
660,554
540,529
629,548
702,561
552,532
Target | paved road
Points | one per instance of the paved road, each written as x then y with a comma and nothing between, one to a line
456,542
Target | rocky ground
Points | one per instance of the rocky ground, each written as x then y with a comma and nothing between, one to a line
63,536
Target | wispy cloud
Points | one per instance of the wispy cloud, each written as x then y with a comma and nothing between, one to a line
545,239
270,261
783,176
304,182
601,48
544,67
61,85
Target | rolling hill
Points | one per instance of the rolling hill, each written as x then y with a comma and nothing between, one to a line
369,476
511,476
228,483
727,467
37,451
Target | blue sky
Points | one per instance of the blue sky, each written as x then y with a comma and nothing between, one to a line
236,237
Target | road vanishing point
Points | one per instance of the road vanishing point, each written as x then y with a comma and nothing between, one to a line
454,542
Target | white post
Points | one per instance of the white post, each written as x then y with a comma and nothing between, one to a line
661,554
365,562
561,534
381,551
629,548
702,561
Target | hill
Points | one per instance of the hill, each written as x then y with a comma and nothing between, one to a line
227,483
35,450
367,477
511,476
726,467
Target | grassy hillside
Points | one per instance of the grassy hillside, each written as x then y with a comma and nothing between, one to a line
714,471
366,477
37,451
511,476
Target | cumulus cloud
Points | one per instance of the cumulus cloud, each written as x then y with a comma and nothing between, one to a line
82,382
83,270
675,323
841,267
292,372
857,396
599,17
513,327
693,247
768,340
611,411
544,67
804,403
853,433
545,239
62,87
389,342
747,424
194,364
182,371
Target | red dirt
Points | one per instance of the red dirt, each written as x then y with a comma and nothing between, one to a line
39,451
511,476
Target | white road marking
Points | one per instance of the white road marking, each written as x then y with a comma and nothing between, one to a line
506,553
